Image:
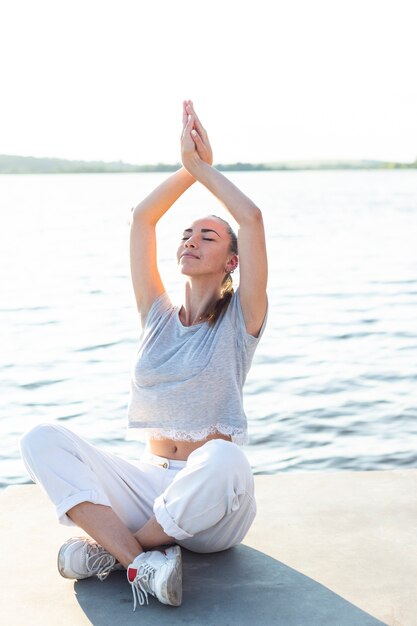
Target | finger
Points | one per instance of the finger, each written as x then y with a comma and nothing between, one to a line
197,140
202,138
197,122
187,128
190,122
184,113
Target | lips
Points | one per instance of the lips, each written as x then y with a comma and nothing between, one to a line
188,254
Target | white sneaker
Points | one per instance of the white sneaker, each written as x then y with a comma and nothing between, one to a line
157,573
82,557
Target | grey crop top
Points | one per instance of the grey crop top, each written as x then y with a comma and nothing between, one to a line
187,380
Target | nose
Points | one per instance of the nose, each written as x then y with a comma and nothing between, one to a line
190,242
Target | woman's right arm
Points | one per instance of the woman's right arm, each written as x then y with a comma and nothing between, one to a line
146,280
147,283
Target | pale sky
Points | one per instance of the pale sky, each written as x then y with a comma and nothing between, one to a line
271,80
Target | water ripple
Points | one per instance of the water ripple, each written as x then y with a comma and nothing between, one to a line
41,383
100,346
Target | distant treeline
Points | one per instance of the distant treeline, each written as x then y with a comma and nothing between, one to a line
34,165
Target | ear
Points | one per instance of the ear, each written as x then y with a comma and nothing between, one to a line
232,264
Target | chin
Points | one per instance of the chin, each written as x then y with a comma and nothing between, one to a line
185,271
186,267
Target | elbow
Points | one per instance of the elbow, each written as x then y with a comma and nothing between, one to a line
255,215
138,217
252,216
136,223
135,213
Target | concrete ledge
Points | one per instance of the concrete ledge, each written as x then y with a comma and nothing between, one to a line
327,549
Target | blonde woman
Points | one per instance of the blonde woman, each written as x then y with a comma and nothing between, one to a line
193,487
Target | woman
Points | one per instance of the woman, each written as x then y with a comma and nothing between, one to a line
193,487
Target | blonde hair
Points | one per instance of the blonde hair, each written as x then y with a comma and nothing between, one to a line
214,312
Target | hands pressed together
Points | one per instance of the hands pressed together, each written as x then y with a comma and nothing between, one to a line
195,144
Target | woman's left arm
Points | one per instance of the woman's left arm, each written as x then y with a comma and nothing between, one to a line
251,234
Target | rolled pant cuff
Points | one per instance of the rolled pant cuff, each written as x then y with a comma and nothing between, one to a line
165,520
83,496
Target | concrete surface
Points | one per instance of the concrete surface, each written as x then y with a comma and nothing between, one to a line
327,549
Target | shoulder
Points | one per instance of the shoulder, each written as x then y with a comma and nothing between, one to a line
235,313
159,309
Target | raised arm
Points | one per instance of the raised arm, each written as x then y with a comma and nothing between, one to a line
146,280
251,234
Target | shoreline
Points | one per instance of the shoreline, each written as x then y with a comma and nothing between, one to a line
10,164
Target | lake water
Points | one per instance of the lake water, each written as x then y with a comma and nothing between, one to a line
333,383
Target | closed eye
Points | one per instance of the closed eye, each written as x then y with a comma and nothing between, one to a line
204,238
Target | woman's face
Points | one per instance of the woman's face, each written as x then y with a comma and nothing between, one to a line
205,248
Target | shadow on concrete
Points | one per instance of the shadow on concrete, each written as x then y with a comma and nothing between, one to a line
240,586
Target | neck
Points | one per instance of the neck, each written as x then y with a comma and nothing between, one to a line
199,296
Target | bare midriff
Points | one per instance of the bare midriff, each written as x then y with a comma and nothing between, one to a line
180,450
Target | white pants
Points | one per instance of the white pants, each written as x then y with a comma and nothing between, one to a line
206,503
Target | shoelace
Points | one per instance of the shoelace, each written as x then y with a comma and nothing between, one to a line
99,561
142,584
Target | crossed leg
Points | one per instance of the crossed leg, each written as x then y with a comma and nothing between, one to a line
105,527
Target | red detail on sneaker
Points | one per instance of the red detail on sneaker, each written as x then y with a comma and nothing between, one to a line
131,574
